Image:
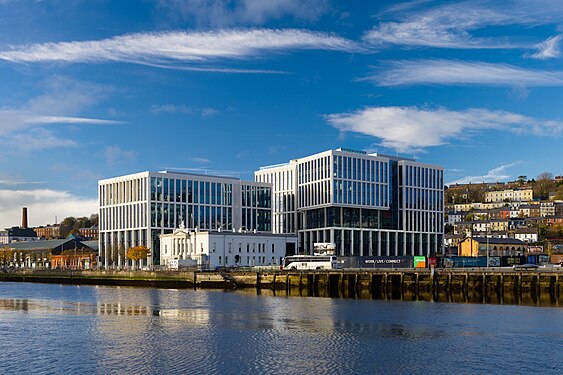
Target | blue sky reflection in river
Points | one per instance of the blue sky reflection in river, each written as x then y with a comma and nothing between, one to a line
69,329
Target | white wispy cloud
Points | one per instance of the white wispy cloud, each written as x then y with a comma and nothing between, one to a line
548,49
115,154
408,129
453,24
24,127
37,139
172,47
171,108
496,174
448,72
19,182
184,109
201,160
43,205
220,13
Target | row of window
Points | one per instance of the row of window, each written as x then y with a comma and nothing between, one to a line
313,170
165,189
361,193
422,221
256,196
133,190
280,180
168,215
258,219
348,217
421,177
283,202
123,217
423,199
186,247
359,169
314,194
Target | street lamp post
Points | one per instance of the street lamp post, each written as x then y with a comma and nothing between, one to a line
488,249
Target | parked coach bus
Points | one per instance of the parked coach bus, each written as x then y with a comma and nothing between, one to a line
310,262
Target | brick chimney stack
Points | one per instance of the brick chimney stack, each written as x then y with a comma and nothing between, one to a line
24,217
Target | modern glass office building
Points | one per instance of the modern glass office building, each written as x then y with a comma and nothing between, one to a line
366,204
135,209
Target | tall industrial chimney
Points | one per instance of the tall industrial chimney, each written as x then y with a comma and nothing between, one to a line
24,217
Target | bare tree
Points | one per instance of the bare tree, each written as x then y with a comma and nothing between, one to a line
544,185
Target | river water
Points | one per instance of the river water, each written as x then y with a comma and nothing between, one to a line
61,329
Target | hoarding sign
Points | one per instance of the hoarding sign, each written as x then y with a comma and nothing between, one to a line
324,248
419,262
173,264
507,261
383,262
494,261
460,262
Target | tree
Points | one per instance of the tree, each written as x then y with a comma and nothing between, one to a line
66,226
544,185
71,225
559,192
137,253
522,179
94,219
6,256
542,232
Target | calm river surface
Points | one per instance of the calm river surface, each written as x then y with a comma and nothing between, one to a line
54,329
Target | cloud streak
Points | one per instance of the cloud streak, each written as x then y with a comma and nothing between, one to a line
408,129
448,72
549,49
173,47
493,175
452,25
183,109
115,154
24,127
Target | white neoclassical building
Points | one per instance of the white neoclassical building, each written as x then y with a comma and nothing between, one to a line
209,249
366,204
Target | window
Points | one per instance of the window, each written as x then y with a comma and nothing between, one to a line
214,246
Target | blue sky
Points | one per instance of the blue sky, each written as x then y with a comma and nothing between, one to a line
95,89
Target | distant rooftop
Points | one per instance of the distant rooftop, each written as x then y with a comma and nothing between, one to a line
501,241
205,174
341,149
274,166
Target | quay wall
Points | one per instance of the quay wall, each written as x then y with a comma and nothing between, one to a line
379,284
